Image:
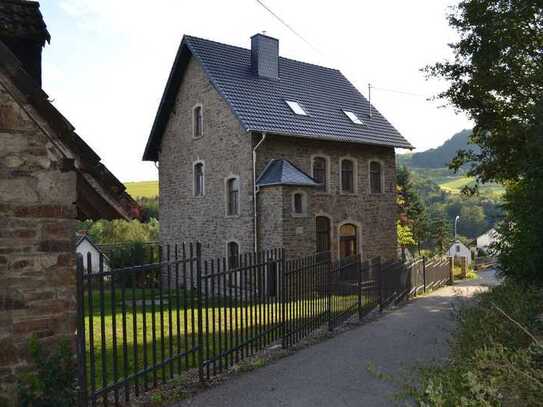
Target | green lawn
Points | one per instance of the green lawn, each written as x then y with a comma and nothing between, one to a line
143,189
226,319
456,185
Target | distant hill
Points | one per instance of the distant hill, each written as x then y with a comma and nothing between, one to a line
441,156
142,189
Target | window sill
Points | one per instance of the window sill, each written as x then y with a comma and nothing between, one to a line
299,215
348,193
232,216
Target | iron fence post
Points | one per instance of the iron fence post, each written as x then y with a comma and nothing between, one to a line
379,281
81,362
200,336
329,294
359,260
424,272
283,294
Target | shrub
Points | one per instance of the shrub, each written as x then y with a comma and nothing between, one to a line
52,380
495,359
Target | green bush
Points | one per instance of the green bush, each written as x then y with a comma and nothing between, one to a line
52,380
495,356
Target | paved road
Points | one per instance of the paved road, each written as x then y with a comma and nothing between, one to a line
335,372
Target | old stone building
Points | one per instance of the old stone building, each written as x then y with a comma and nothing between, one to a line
258,151
49,178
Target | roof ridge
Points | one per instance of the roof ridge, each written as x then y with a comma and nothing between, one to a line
248,49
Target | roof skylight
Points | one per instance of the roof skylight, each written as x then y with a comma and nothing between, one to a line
296,108
354,118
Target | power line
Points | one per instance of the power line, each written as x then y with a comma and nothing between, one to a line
300,36
401,92
290,28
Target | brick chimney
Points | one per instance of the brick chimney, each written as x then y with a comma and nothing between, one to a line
24,32
265,56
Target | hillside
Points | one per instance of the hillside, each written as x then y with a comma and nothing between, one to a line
142,189
439,157
433,164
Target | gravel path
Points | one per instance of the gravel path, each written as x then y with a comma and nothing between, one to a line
335,372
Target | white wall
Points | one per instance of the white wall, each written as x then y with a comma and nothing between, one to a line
86,247
460,250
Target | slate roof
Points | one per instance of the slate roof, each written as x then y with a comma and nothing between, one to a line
283,172
22,19
259,103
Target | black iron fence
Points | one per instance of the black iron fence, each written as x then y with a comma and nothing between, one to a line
139,326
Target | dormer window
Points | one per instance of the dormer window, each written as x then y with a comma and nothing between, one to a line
296,108
354,118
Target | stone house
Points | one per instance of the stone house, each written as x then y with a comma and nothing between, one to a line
258,151
49,178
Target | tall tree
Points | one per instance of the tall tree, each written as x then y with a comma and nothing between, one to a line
496,77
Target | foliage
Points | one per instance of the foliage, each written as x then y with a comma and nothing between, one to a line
115,231
149,208
521,245
52,380
496,78
405,236
495,359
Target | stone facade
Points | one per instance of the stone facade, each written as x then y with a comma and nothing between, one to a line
37,225
373,214
226,150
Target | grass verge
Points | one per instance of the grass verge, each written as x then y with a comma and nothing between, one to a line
496,354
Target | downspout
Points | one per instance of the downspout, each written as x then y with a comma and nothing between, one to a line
255,191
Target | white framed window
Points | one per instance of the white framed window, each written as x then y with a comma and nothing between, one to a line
296,108
320,171
232,253
376,177
348,175
299,203
197,121
199,178
353,117
232,196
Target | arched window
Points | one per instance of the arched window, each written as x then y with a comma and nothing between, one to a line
232,196
197,121
320,173
199,186
347,176
322,228
233,255
376,175
298,203
348,240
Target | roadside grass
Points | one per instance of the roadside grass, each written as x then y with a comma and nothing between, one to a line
149,338
142,189
496,354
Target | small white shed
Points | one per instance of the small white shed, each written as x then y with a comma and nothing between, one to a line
459,249
84,246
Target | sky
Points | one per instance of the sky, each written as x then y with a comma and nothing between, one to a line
108,60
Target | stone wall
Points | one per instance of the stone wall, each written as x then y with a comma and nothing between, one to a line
37,264
225,150
373,214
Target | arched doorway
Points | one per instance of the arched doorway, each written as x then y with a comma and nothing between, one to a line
348,241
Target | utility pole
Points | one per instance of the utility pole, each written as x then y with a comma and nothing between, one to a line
455,223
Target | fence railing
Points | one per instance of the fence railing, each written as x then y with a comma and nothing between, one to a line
140,326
